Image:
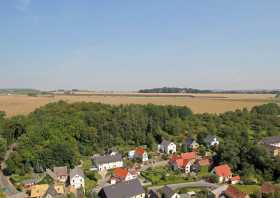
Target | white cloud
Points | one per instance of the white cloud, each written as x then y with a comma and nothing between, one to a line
23,5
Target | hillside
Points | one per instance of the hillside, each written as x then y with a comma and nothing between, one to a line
61,133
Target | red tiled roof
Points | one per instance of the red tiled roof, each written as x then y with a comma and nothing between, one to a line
234,193
120,172
140,151
235,178
173,157
223,170
204,162
189,155
182,160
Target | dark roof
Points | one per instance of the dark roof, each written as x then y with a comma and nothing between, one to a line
167,192
107,159
122,190
271,140
165,143
51,191
189,141
76,171
153,194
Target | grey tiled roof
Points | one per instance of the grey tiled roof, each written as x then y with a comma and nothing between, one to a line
271,140
76,171
167,192
165,143
126,189
107,159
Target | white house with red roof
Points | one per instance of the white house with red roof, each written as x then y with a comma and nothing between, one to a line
123,174
138,153
183,161
223,172
235,179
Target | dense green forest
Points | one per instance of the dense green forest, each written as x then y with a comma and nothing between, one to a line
173,90
191,90
60,133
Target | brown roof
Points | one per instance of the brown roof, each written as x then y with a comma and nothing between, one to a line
269,188
233,192
60,171
271,140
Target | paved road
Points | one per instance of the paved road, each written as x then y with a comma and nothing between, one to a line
218,191
198,184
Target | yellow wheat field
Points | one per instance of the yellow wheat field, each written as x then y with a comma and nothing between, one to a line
199,103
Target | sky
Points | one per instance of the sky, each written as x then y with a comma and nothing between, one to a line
135,44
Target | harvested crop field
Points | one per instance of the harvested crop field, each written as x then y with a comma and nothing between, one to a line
199,103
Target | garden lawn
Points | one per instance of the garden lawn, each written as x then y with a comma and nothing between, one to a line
204,171
164,175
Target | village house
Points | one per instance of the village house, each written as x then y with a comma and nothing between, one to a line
211,141
61,173
191,143
183,162
56,191
38,191
223,172
77,178
138,153
107,162
127,189
272,144
167,192
235,179
233,192
167,147
123,174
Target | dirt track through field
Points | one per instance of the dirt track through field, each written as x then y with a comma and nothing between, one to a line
199,103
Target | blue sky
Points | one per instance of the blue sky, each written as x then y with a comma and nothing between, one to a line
128,45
